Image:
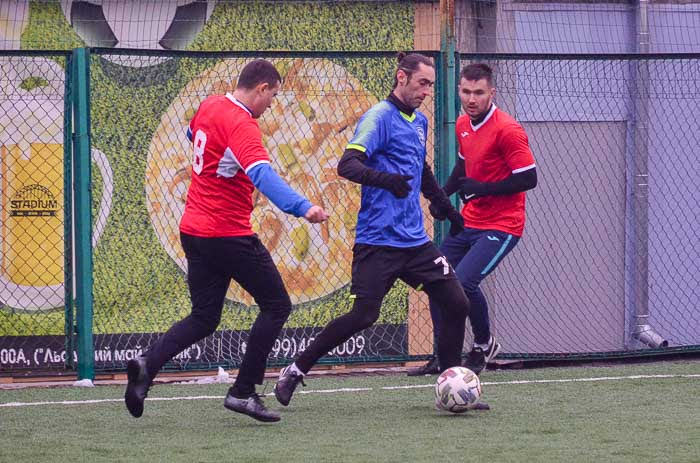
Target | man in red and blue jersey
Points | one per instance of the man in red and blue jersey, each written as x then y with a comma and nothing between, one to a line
495,167
387,157
229,161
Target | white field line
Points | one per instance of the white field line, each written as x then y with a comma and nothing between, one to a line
359,389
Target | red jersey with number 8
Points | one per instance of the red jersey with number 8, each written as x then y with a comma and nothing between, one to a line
492,150
226,142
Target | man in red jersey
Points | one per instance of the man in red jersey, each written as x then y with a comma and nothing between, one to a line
229,161
494,168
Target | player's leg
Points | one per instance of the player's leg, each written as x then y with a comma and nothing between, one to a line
454,307
487,249
453,248
207,285
256,272
429,269
373,275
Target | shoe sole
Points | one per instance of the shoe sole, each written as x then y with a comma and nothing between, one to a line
264,419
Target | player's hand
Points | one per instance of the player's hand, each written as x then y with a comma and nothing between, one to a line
437,212
469,189
316,214
397,184
456,222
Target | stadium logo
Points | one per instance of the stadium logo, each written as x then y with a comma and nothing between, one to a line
33,201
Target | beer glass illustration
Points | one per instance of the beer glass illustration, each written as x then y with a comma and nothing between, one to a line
32,183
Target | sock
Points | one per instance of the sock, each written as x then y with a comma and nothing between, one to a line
241,391
294,368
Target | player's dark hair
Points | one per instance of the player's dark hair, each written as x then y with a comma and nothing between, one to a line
409,63
477,71
256,72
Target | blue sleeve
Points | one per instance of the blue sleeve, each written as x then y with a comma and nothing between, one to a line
282,195
189,134
370,133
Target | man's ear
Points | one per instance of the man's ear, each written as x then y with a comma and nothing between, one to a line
262,86
401,76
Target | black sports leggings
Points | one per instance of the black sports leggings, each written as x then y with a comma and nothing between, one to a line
365,311
212,263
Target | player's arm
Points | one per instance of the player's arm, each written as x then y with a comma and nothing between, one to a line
440,207
454,182
519,158
282,195
352,167
246,141
517,181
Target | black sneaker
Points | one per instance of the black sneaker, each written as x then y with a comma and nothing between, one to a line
252,406
137,385
430,368
286,384
478,358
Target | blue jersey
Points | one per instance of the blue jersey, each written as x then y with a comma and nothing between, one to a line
393,142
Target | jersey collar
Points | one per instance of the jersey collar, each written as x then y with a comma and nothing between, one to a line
406,111
238,103
488,116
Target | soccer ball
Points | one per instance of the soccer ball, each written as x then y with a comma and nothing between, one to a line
457,390
169,25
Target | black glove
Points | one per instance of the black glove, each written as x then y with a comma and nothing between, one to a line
437,212
456,222
470,189
397,184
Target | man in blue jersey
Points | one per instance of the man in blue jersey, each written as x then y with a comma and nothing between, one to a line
387,157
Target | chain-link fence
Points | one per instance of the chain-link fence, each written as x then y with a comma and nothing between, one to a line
608,262
140,112
33,216
607,265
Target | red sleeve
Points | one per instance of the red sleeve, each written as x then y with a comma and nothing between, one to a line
246,143
459,128
516,148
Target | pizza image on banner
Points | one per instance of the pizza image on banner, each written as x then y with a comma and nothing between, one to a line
305,131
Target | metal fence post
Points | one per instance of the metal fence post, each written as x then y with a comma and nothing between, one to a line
69,307
83,211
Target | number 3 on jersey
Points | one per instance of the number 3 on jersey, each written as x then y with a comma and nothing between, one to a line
200,140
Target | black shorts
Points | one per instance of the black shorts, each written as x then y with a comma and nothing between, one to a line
376,268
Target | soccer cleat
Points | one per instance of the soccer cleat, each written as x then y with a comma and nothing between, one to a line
252,406
480,406
478,358
286,384
137,385
430,368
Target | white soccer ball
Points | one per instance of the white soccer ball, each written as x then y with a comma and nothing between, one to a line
457,390
155,25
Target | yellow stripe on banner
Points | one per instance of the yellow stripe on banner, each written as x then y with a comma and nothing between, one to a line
352,296
352,146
